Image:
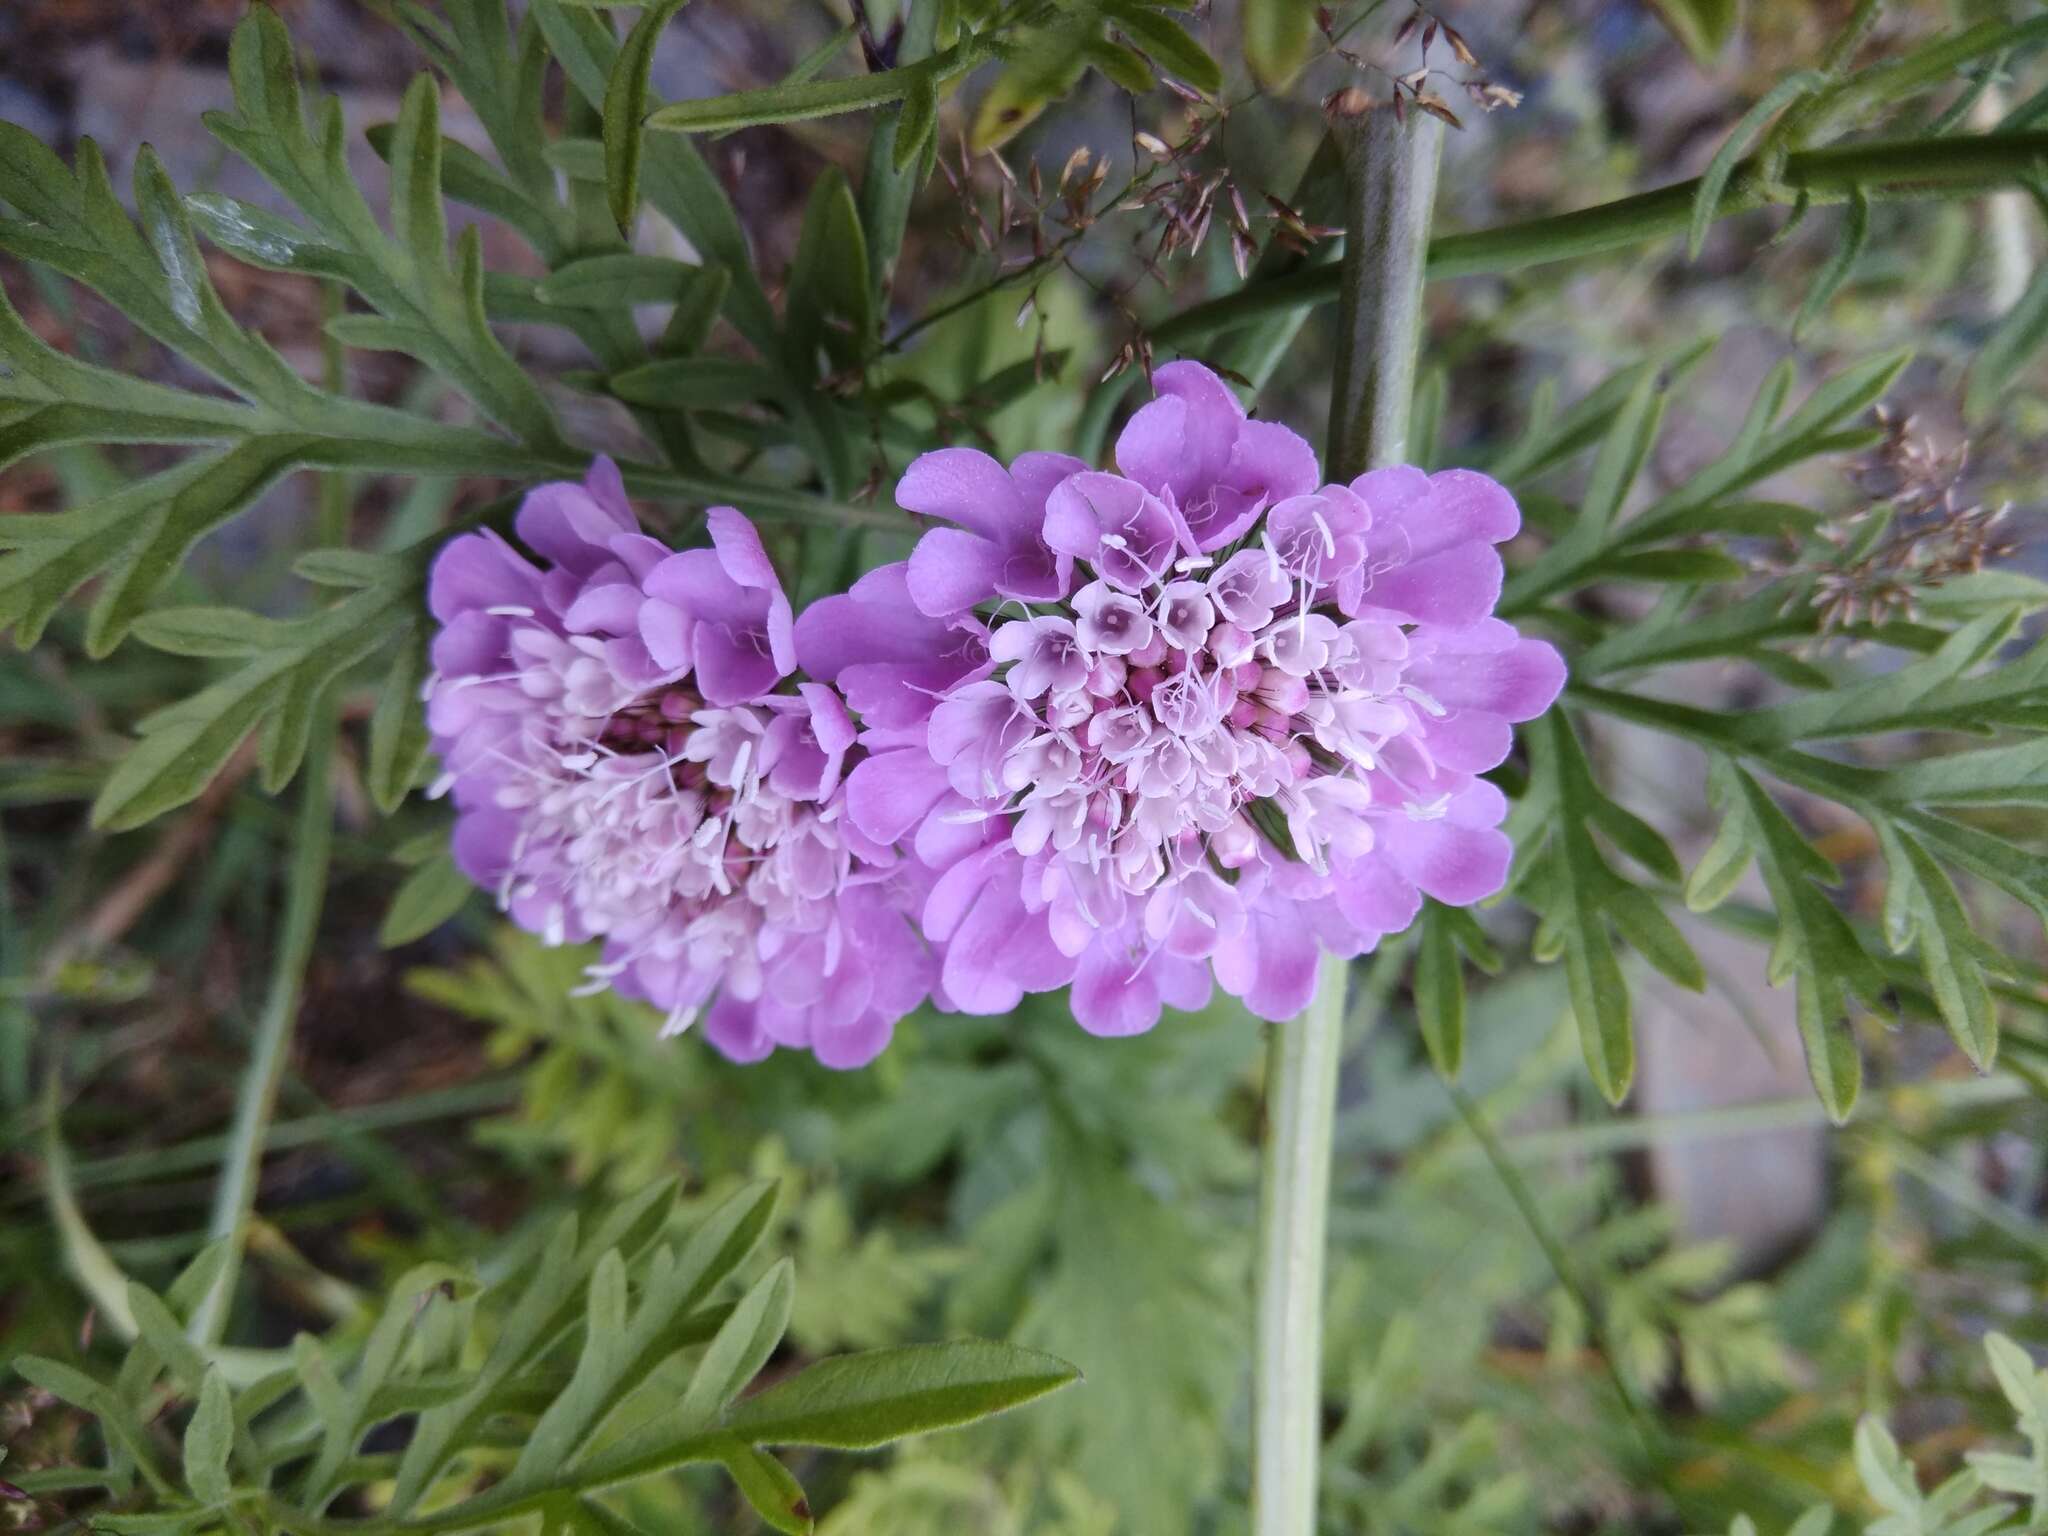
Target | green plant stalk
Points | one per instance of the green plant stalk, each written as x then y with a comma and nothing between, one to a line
1390,188
234,1196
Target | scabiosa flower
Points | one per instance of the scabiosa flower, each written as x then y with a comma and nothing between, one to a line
624,767
1226,716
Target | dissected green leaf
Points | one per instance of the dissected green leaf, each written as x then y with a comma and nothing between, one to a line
625,109
857,1402
209,1437
1707,202
741,1347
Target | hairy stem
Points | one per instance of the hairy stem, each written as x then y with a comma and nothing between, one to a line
1390,185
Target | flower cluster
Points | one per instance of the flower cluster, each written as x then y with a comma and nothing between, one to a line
1202,716
1199,718
625,767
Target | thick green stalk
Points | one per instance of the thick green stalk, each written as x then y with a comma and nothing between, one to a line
1390,187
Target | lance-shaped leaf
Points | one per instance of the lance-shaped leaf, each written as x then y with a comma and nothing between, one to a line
857,1402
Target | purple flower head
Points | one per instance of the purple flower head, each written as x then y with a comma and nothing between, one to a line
998,548
622,771
1294,687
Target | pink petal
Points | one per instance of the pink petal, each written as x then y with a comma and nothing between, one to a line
1519,684
732,1027
951,570
964,486
611,609
855,1044
477,571
665,630
1457,865
1035,475
1115,995
1459,585
890,792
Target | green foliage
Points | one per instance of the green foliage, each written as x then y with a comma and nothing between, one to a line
1956,678
566,1360
1511,1347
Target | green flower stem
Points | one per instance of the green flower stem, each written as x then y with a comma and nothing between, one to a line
1390,187
234,1194
1956,166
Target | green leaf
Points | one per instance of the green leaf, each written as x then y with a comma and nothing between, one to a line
673,175
831,305
431,895
1277,37
185,745
1720,868
135,539
696,312
615,279
915,124
1168,44
1042,72
1922,907
741,1346
399,743
798,102
695,383
723,1239
1704,26
1440,993
416,208
1815,944
625,110
1835,270
208,1439
1124,68
1669,565
2011,345
1707,201
766,1484
1886,1474
1643,923
404,276
202,631
860,1401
